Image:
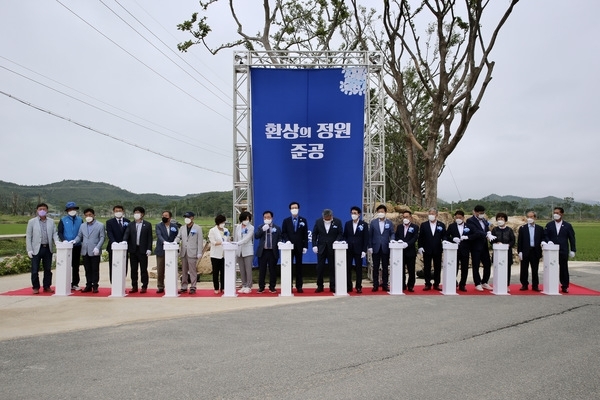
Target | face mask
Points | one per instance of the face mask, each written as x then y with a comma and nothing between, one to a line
89,219
406,221
72,213
42,213
556,217
530,221
119,214
501,222
481,216
431,218
137,216
187,221
222,225
381,215
354,217
268,221
165,220
294,211
459,221
246,222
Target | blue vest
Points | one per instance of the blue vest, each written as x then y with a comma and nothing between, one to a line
71,226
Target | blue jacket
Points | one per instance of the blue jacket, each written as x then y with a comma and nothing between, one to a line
68,227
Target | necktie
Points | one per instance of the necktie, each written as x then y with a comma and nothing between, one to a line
121,223
295,224
268,244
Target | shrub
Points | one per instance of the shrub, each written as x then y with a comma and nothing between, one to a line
18,264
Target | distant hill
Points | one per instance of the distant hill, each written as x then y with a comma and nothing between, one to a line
530,201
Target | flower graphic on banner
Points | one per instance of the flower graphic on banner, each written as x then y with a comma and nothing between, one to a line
355,80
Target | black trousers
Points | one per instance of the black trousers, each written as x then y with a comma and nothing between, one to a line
297,262
268,260
218,272
357,265
462,260
383,259
563,270
75,260
91,264
481,257
326,260
409,264
526,262
436,259
140,260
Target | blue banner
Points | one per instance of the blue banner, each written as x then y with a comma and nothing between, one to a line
307,142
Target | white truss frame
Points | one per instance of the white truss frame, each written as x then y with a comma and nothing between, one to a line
374,167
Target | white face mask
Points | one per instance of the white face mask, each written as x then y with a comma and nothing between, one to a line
530,221
268,221
294,211
459,221
72,213
89,219
406,221
137,216
354,217
222,225
119,214
187,221
381,215
501,222
431,218
556,217
246,222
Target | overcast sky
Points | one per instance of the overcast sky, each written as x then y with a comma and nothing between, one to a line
534,136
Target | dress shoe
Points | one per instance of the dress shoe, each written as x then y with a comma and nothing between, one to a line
193,291
299,290
272,291
426,288
358,290
36,291
565,290
89,289
349,290
132,290
462,289
411,289
535,289
374,289
48,290
319,290
332,289
143,290
182,290
160,290
259,291
437,287
385,288
523,288
95,290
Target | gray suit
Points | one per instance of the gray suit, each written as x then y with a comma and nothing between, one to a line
39,252
192,244
91,237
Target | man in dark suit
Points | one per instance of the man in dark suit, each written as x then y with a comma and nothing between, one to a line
295,230
561,232
381,233
479,236
166,231
115,227
458,233
326,231
529,247
138,236
356,235
408,232
431,234
268,235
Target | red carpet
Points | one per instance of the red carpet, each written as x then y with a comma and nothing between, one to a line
574,290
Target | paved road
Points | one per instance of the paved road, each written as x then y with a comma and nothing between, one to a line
427,347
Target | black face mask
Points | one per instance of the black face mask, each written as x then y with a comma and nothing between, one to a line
165,220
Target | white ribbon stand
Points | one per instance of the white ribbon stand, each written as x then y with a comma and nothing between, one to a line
230,248
64,270
397,268
286,268
551,271
500,269
340,269
171,269
118,269
449,261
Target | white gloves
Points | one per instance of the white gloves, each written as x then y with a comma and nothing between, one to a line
30,254
123,242
288,242
393,241
520,256
96,251
363,254
400,241
421,251
463,237
572,254
72,241
550,242
456,240
490,236
445,242
370,250
199,255
265,227
304,251
315,249
148,252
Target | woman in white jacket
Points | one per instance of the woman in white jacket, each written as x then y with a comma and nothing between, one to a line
244,237
217,235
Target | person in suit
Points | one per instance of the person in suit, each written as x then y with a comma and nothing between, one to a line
529,248
39,242
294,229
356,235
326,231
192,242
458,233
138,236
381,233
503,234
244,237
431,234
268,235
166,232
91,237
216,236
68,229
478,242
408,232
561,232
115,227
